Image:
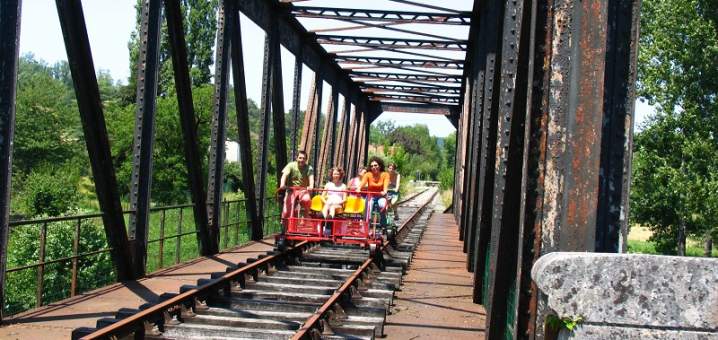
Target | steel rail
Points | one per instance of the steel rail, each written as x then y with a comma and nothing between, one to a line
135,322
313,320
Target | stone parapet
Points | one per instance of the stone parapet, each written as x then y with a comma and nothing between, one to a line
630,295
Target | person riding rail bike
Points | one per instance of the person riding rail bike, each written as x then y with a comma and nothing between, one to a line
377,181
393,192
300,176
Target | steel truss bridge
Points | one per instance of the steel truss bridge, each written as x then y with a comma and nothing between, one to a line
541,93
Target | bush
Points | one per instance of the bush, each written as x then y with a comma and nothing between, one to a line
24,247
49,192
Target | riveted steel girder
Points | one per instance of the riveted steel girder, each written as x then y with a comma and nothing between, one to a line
408,76
9,52
183,86
446,45
141,180
388,62
215,181
240,97
382,15
295,38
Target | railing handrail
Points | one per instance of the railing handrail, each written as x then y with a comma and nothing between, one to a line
19,223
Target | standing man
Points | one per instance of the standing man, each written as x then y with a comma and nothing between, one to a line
300,177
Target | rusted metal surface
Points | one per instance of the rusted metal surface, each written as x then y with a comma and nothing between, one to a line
382,15
215,182
89,103
240,97
391,42
502,298
9,51
183,86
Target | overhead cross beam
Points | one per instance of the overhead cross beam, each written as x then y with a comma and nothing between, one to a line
446,45
420,99
435,109
409,76
295,38
389,62
462,18
413,89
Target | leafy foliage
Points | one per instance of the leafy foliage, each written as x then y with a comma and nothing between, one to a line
675,168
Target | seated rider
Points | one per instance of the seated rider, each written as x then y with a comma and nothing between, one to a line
377,182
393,193
335,194
299,175
353,183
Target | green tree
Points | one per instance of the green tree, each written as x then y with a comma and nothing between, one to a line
200,24
674,175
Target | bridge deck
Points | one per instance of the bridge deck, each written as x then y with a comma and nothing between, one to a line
435,301
57,320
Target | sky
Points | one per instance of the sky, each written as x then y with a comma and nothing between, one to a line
110,23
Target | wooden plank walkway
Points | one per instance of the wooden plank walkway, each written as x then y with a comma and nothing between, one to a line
435,301
57,320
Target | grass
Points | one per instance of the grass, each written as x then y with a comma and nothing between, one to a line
639,243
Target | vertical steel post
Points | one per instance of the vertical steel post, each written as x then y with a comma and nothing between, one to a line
489,107
264,123
215,182
144,134
325,151
240,97
280,135
79,56
9,51
343,148
506,224
310,135
351,144
296,96
183,86
617,135
317,147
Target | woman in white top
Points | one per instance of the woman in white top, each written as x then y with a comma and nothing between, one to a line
335,194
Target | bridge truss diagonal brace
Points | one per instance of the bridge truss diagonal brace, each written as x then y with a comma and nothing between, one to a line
89,104
218,134
141,180
9,55
243,135
295,38
183,86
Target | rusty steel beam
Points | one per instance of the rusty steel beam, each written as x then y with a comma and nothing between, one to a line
264,123
451,79
215,181
412,89
388,62
617,134
506,224
325,150
141,180
481,212
394,43
295,38
378,96
296,97
89,104
278,121
311,117
240,97
407,17
9,54
422,5
343,149
418,108
183,86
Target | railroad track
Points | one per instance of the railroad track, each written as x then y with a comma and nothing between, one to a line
306,292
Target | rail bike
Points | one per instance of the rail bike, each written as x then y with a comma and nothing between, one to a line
356,222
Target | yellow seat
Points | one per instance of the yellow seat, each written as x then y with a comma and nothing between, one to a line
354,205
317,203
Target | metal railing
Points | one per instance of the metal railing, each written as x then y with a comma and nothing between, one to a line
70,255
